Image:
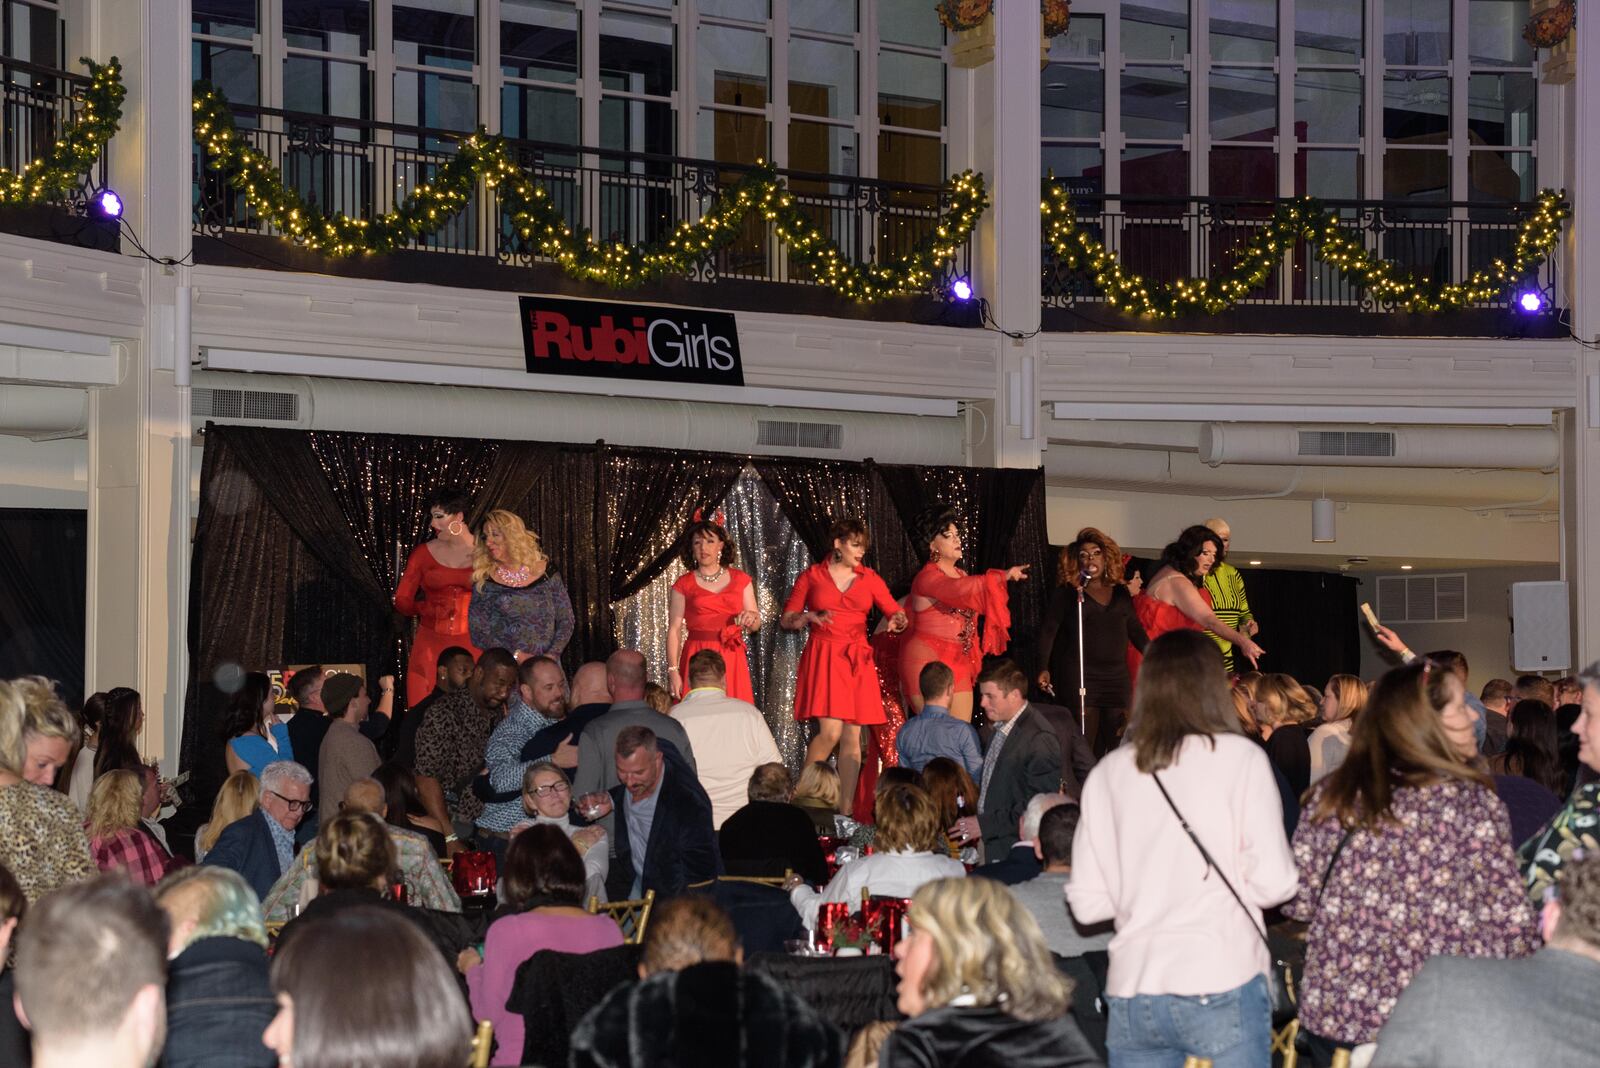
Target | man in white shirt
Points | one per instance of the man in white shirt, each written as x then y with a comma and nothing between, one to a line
730,737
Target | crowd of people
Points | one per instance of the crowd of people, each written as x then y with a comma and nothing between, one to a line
1108,871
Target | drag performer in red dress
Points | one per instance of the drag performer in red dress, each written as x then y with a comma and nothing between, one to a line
717,602
440,570
944,605
836,683
1176,599
879,750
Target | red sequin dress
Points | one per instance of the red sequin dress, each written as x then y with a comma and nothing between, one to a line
441,614
836,678
947,630
880,750
709,617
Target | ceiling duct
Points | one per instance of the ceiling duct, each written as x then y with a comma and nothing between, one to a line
1498,448
44,413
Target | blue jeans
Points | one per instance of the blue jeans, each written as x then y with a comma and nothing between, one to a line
1233,1029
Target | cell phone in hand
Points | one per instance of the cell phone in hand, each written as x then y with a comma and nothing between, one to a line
1372,617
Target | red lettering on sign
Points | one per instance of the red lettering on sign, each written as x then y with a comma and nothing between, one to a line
550,329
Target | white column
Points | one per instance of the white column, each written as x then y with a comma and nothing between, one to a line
1581,489
1004,139
139,431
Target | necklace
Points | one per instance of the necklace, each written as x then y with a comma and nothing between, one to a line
710,580
511,576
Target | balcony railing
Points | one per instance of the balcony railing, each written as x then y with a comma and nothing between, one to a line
364,169
36,105
1165,239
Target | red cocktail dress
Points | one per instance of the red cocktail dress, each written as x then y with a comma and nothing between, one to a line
441,614
1158,617
836,678
709,618
880,749
947,630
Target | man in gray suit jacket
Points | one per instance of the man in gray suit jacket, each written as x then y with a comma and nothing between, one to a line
1023,759
597,771
1477,1013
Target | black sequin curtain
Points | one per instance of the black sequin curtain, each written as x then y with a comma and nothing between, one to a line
562,507
814,494
43,580
651,497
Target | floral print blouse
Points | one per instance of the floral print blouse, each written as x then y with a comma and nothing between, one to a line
1575,827
1439,879
535,619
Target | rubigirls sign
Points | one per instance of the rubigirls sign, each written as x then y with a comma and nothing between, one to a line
636,341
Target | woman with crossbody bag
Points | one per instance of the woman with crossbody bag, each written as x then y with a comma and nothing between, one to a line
1189,962
1404,853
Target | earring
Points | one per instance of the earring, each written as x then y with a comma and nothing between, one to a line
838,557
933,555
454,527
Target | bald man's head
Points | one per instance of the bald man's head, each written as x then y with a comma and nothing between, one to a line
1219,527
366,795
625,675
589,685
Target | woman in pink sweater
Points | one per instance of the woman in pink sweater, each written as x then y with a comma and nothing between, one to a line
544,877
1189,961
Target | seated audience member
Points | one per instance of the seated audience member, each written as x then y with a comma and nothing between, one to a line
697,1005
238,798
355,863
261,846
417,866
346,754
116,839
1535,688
91,976
658,698
1568,690
953,791
1577,826
1497,701
547,800
453,742
1342,701
817,795
1282,709
663,821
1527,771
251,733
544,884
41,833
49,730
452,669
589,701
1044,895
769,836
1452,661
975,973
14,1046
911,850
539,700
1408,817
1024,757
730,737
218,998
933,732
1573,770
367,988
1477,1013
1021,862
403,806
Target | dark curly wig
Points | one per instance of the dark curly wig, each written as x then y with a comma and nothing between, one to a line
1180,554
931,522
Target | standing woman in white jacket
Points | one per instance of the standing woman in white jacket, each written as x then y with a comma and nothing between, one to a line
1188,962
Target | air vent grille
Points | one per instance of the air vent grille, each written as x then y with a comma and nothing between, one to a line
1423,598
255,404
1346,443
788,434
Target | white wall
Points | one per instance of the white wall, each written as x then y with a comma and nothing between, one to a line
44,474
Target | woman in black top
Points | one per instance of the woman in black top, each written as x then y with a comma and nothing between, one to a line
1093,562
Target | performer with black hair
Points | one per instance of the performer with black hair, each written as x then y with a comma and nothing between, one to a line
1175,598
716,603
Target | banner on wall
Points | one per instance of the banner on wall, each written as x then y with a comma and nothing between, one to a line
280,681
642,342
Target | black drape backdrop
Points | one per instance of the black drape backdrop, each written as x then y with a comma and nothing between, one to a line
303,535
1309,625
43,579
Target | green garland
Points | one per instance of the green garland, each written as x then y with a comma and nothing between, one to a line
59,171
536,217
1301,219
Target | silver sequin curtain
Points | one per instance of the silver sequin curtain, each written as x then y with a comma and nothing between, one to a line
773,556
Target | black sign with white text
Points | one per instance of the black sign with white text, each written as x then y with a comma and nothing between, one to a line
635,341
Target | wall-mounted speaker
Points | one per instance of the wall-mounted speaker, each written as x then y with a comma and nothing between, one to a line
1541,633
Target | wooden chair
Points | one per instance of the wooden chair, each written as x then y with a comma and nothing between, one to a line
1341,1058
482,1043
1283,1043
631,916
1196,1062
274,929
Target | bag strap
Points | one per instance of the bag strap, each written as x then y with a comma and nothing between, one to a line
1328,871
1211,865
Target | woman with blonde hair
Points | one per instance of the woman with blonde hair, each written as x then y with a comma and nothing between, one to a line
116,838
518,600
975,972
911,850
49,731
817,794
240,794
41,832
1282,709
1342,701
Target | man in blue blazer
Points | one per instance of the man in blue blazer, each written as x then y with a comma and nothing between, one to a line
262,846
664,839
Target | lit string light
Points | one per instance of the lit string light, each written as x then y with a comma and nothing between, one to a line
1301,219
59,172
534,216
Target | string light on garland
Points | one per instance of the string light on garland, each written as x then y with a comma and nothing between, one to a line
1302,219
59,172
534,216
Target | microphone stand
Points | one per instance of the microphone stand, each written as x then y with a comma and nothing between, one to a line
1083,686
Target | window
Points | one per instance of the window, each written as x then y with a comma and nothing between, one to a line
31,31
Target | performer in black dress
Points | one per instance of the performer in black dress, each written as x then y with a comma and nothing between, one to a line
1092,564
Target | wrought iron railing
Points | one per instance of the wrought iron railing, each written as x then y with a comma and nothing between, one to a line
364,169
1165,239
36,106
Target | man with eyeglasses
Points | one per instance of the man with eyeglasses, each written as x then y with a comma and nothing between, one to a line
261,847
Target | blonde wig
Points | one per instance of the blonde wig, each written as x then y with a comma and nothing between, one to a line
989,946
522,545
114,803
1349,697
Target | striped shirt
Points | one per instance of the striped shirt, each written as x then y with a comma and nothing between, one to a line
1229,602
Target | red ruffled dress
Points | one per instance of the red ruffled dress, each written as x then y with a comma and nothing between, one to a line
441,616
836,678
709,618
947,630
1158,617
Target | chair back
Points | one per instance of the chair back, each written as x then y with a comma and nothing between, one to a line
764,880
631,916
1283,1043
482,1043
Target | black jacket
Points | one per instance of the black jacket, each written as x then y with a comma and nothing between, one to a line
1077,752
218,1003
769,838
682,847
985,1038
1029,763
1019,865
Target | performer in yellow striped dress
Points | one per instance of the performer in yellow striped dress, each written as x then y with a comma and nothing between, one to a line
1228,599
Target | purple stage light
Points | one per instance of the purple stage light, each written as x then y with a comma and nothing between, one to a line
961,289
1530,301
108,204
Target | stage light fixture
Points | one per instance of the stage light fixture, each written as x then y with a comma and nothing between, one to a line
1530,301
107,204
1322,520
961,289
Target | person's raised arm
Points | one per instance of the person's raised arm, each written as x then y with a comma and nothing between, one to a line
676,605
1194,606
885,602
